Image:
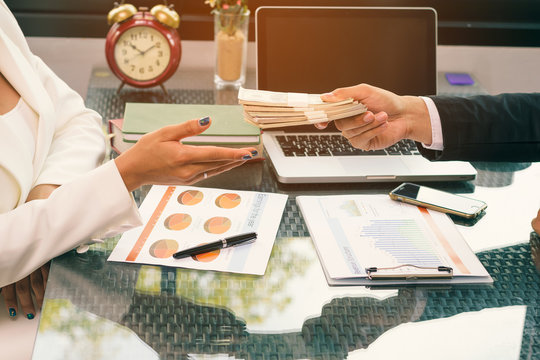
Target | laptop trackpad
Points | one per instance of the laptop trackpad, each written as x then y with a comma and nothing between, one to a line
385,165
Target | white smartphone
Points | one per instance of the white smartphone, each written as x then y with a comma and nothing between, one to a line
438,200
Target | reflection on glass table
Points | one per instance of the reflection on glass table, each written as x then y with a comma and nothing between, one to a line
499,330
102,308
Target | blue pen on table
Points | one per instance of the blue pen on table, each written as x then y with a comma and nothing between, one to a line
236,240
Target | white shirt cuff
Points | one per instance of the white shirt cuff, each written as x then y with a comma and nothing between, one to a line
436,128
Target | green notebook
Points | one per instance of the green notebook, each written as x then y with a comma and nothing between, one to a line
228,124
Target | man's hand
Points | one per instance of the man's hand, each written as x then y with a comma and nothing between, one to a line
536,223
389,119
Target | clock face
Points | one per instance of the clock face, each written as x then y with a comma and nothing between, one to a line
142,53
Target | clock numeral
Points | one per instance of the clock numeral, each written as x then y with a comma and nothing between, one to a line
150,68
160,53
158,63
126,61
141,70
158,44
132,67
124,51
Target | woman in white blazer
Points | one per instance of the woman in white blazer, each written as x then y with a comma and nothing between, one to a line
55,195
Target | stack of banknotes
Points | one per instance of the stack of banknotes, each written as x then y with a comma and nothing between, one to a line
270,109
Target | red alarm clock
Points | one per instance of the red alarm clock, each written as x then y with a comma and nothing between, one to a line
143,48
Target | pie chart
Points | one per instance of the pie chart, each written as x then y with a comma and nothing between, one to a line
228,200
190,197
163,248
177,221
217,225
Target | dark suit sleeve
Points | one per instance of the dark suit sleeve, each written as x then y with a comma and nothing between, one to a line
504,127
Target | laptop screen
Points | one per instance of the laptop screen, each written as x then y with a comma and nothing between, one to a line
315,50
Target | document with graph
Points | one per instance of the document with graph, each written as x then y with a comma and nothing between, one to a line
180,217
373,240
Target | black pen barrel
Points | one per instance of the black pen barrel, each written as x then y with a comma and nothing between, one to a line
216,245
199,250
236,240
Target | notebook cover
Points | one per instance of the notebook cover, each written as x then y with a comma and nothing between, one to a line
228,125
119,145
117,142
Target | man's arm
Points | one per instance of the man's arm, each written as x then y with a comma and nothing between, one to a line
505,127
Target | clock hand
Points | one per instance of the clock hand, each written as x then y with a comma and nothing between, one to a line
145,51
140,51
137,49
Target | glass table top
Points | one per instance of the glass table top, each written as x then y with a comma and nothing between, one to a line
95,309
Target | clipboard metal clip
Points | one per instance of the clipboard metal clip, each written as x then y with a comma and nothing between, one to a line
409,272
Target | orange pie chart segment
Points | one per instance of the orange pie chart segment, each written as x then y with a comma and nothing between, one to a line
228,200
163,248
178,221
190,197
206,257
217,225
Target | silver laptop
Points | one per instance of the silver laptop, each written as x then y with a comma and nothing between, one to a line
318,49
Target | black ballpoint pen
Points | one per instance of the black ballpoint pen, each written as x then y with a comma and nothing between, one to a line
216,245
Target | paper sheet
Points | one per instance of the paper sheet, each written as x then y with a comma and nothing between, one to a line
177,218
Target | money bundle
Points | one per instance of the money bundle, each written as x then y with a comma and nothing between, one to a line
270,109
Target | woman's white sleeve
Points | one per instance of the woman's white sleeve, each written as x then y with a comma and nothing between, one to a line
94,204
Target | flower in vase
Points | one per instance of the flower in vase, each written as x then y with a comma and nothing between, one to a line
230,6
231,13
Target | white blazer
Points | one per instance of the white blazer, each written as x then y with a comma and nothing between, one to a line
70,144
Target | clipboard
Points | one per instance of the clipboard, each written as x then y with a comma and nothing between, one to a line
360,240
409,272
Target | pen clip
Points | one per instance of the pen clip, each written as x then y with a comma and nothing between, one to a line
243,243
241,239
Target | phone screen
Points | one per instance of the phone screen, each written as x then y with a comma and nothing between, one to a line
438,198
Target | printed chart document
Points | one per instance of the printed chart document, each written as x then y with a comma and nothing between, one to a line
401,242
181,217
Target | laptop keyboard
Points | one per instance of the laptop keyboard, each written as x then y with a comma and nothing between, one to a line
336,145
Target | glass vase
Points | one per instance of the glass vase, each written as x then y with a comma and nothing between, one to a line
230,40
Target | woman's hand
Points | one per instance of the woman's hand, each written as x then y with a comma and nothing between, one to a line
160,158
390,117
21,291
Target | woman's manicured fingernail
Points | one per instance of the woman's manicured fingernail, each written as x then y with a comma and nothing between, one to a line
247,157
12,312
254,152
30,316
204,121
